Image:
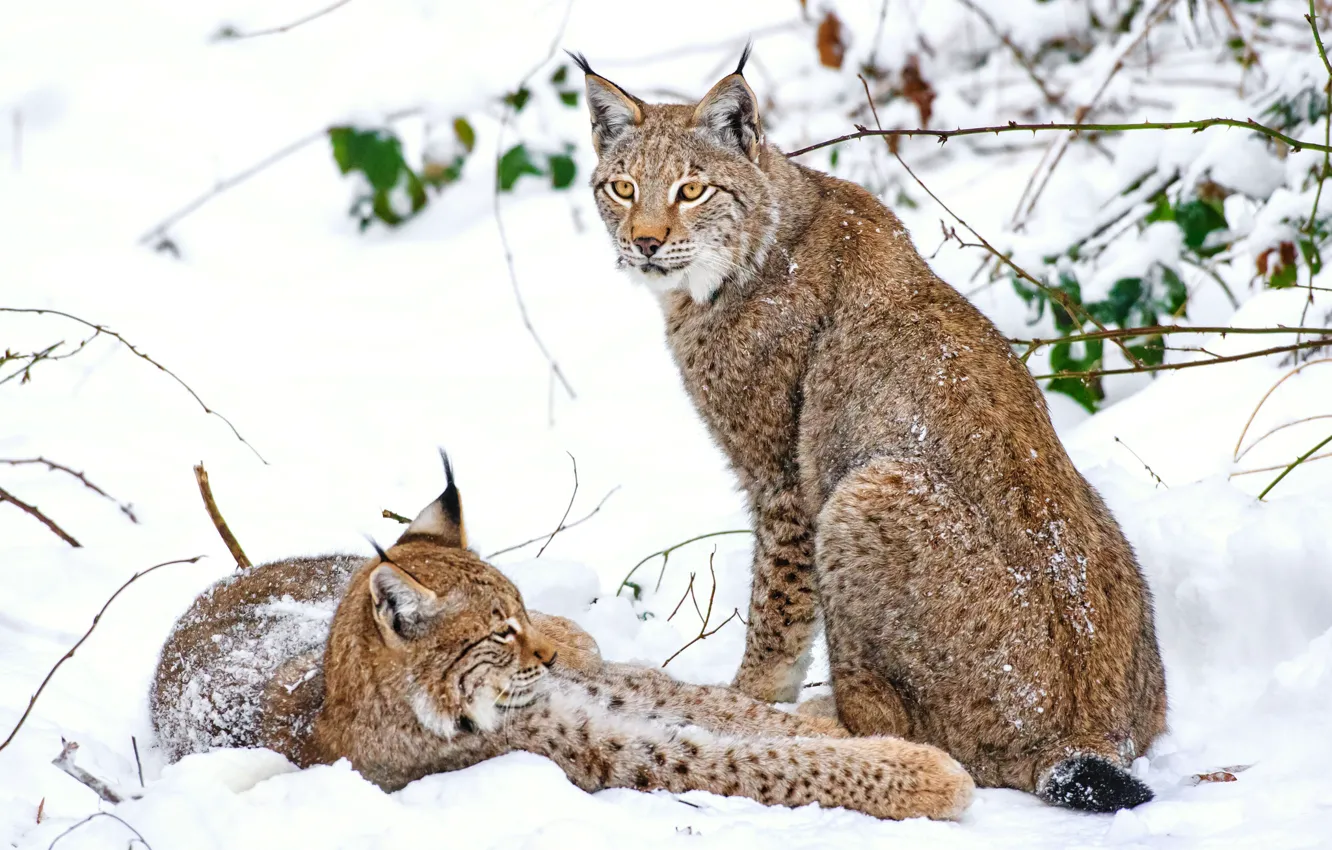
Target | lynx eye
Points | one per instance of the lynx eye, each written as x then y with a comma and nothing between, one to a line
690,192
623,189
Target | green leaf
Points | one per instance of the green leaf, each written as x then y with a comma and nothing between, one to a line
1077,390
1069,285
1176,293
466,135
1284,277
1312,256
562,170
1120,301
1197,219
561,74
569,98
514,164
375,153
518,99
1161,211
832,158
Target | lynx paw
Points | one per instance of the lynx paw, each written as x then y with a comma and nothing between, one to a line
577,649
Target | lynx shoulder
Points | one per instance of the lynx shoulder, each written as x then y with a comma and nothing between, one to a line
901,469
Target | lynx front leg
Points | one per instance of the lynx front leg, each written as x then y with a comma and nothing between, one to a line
783,605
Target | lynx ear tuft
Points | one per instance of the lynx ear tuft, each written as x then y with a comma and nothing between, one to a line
442,518
728,115
613,109
403,606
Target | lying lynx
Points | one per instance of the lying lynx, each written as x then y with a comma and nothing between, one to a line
433,664
900,465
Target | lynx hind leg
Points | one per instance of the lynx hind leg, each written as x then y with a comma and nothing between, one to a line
292,699
577,650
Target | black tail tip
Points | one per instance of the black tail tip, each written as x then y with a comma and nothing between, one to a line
1092,784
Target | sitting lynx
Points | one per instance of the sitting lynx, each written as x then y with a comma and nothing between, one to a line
433,664
900,466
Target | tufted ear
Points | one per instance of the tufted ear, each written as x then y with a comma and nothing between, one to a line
613,110
728,115
402,606
442,518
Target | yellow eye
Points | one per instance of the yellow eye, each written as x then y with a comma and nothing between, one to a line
623,189
691,191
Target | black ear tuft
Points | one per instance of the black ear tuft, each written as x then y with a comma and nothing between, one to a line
450,498
581,61
744,57
379,550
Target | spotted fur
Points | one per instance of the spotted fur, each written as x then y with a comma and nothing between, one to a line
901,470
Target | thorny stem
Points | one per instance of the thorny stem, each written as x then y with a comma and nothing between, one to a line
1165,367
1013,126
35,513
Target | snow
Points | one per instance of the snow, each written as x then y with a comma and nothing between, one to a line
345,359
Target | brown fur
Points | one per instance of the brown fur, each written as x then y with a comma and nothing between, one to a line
899,461
433,664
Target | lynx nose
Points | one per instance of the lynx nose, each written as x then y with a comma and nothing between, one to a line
648,245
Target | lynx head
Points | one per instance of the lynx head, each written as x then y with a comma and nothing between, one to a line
448,628
680,186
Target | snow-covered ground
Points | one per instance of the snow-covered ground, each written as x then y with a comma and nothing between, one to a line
345,359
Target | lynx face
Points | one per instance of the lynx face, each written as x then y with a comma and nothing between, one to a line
459,630
679,187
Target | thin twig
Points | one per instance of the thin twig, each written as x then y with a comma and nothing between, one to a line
1012,127
666,553
137,836
1150,471
70,654
134,743
1299,460
1252,415
126,508
223,530
65,761
689,591
1079,114
509,112
1167,367
1275,467
38,356
703,632
137,353
32,510
1050,97
1159,330
567,508
388,514
229,34
226,183
564,527
1273,430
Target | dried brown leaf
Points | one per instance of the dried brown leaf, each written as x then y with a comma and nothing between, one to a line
830,41
917,89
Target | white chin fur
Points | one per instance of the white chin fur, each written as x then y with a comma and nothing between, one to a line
432,718
699,281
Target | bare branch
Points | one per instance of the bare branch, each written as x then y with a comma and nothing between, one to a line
499,219
65,761
137,836
103,329
31,510
703,632
230,34
125,507
158,231
1292,373
1299,460
1050,97
563,527
70,654
223,530
665,554
567,508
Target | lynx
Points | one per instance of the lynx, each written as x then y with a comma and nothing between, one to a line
901,470
432,663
